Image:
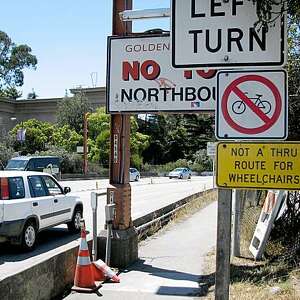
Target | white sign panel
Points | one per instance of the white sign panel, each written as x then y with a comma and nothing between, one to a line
141,79
211,149
221,34
265,223
251,105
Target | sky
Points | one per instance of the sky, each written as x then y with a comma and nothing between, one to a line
68,38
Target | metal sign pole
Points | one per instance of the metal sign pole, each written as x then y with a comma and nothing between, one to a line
214,173
94,204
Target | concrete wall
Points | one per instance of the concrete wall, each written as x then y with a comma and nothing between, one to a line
41,109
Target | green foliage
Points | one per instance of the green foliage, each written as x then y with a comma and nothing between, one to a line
266,15
99,139
13,59
42,135
293,68
99,136
10,92
174,137
139,142
71,110
6,153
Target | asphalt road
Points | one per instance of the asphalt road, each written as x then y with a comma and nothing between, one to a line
147,196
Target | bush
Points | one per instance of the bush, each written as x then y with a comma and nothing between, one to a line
200,164
6,153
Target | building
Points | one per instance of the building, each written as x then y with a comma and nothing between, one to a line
14,111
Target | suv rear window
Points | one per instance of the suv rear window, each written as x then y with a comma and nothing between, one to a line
12,188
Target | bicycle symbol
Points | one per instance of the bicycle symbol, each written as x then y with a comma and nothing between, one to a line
239,107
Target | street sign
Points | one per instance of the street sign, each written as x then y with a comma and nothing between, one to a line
258,165
21,134
79,149
222,34
141,79
252,105
211,149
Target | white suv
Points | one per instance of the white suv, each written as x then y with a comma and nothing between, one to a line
31,202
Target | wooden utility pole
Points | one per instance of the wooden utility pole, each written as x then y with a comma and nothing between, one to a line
120,139
223,244
124,244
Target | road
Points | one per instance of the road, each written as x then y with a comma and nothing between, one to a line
147,196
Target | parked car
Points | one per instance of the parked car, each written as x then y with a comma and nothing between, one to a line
48,164
181,173
31,202
134,174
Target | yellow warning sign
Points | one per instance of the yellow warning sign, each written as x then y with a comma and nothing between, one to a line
258,165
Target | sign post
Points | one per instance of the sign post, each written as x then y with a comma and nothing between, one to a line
125,237
223,245
223,35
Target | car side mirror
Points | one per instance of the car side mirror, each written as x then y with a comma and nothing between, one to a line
67,190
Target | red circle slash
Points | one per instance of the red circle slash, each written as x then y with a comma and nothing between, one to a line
268,121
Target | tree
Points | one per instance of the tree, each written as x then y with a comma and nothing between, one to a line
71,111
13,59
42,135
99,139
174,137
266,15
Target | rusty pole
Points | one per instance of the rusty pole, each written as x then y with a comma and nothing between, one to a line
120,140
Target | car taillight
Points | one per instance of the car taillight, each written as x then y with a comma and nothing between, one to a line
4,189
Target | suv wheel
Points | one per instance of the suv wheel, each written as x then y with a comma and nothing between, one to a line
137,178
74,225
180,177
29,236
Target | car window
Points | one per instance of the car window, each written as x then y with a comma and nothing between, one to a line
37,186
52,186
15,164
39,163
16,187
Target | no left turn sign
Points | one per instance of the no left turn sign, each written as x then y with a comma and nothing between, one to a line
251,105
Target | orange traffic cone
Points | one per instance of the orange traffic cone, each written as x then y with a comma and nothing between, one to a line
98,274
107,271
84,280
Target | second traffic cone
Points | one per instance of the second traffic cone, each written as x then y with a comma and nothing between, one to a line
98,274
84,276
107,271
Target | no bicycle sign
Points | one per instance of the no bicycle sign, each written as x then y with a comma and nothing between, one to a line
251,105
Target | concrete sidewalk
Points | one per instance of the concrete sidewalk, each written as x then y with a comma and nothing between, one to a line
170,263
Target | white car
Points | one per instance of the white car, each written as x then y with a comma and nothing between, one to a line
31,202
181,173
134,174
